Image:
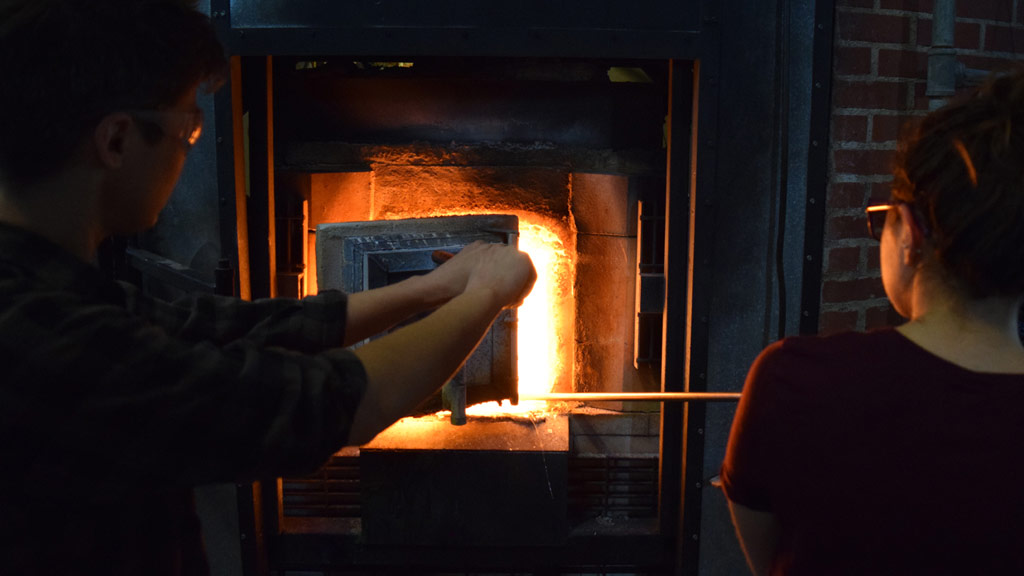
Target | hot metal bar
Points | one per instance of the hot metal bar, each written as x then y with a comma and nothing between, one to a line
652,396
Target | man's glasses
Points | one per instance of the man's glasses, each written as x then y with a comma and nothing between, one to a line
185,126
876,219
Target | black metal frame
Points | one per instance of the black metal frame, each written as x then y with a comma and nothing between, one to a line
534,28
690,208
817,167
699,213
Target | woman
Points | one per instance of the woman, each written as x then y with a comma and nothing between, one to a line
901,451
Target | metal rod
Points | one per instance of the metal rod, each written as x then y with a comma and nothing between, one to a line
652,396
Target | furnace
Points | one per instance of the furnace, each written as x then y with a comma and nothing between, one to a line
640,148
384,163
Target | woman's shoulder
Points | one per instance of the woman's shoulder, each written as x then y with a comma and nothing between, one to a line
844,346
801,367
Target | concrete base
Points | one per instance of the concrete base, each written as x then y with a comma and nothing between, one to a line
493,483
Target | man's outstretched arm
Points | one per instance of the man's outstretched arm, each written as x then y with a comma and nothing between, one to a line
406,366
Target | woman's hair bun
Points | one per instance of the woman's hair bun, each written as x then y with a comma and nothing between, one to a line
962,168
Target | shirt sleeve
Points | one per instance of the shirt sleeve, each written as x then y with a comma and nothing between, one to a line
110,402
310,325
753,456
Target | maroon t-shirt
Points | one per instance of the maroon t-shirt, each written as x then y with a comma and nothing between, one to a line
878,457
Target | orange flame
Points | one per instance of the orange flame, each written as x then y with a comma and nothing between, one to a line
543,345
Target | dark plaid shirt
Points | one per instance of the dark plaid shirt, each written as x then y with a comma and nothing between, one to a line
114,405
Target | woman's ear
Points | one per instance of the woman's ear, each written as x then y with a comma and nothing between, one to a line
111,137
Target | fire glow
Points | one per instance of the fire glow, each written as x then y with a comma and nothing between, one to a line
544,319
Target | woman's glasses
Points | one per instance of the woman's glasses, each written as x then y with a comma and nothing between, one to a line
876,219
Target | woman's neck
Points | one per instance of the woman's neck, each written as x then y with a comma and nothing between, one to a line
978,334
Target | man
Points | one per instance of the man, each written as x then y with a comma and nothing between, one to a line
113,405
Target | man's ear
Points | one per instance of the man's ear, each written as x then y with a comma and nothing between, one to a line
111,137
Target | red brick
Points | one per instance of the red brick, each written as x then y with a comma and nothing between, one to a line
902,63
920,97
869,27
847,195
851,61
881,193
846,227
889,95
863,162
997,10
966,35
873,262
1004,39
887,128
840,321
881,317
845,259
848,128
836,291
979,62
907,5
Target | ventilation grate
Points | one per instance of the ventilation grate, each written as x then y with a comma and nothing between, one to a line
613,487
333,492
598,487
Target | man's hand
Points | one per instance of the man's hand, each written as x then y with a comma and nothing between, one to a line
499,272
503,270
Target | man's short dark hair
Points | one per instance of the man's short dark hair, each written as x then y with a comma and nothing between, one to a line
66,64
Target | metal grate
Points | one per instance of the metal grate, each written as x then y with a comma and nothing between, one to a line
650,301
333,492
598,487
613,487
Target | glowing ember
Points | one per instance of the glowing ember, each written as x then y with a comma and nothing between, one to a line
535,408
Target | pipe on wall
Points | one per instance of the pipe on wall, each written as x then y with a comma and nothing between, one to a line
942,64
945,74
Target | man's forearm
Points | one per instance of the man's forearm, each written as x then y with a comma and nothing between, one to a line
406,366
373,311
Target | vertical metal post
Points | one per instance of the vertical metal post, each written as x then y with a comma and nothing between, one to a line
677,233
231,178
251,530
271,199
702,207
227,150
255,81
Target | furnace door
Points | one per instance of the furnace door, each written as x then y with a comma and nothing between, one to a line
356,256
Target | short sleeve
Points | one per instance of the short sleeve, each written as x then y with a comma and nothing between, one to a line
753,457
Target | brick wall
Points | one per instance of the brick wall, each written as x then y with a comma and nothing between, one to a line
880,68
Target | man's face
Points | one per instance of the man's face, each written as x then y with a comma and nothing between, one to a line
142,187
